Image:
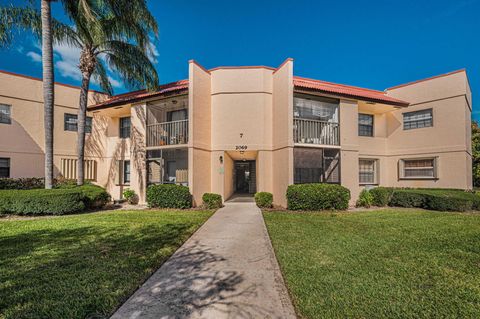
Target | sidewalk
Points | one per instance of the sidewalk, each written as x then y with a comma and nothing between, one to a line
227,269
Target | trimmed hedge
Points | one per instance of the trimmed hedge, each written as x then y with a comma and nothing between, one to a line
22,183
381,196
169,196
94,196
41,201
212,201
264,199
57,201
317,197
436,199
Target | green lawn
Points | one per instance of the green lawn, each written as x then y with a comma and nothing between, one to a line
380,264
82,266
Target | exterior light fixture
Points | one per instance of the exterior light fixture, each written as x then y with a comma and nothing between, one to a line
221,159
174,101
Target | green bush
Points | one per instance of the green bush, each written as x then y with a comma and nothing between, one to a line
381,196
436,199
22,183
41,201
212,201
94,196
169,196
130,196
264,199
365,199
317,197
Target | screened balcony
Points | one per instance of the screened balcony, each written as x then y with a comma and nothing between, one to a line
168,166
316,121
167,122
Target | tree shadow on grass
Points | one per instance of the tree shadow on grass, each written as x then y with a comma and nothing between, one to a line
80,272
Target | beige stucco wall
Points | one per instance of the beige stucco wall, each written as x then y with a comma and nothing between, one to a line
23,140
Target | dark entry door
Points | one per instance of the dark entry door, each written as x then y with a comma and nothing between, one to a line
245,179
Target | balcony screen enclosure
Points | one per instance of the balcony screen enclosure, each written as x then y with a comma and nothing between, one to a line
315,120
316,165
168,166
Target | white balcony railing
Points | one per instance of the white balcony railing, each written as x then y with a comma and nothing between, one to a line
315,132
167,133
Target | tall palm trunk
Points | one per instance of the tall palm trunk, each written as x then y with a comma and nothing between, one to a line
81,121
87,66
48,89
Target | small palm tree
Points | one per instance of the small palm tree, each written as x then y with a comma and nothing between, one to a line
112,32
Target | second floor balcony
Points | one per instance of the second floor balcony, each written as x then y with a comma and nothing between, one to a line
167,133
307,131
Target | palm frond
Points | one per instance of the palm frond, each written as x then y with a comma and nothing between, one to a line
132,63
101,77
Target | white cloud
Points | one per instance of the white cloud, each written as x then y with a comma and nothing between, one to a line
68,59
34,56
115,83
153,51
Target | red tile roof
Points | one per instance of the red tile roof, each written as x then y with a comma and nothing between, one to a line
346,90
298,82
136,96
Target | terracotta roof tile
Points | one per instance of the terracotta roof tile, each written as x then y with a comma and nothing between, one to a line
298,82
346,90
141,94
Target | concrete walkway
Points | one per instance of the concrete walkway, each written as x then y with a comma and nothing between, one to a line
227,269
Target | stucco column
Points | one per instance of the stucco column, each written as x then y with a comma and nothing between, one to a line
138,156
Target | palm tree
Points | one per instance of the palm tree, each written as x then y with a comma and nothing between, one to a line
120,37
112,32
42,25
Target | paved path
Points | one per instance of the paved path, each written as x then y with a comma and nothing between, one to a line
227,269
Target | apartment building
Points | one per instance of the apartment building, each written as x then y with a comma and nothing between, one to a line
246,129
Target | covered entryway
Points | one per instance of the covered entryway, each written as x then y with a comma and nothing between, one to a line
245,181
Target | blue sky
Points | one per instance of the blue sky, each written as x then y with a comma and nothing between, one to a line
373,44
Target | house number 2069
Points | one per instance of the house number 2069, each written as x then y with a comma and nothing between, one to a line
241,147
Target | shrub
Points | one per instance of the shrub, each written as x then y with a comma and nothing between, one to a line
264,199
212,201
130,196
22,183
317,197
41,201
436,199
365,199
381,196
169,196
94,196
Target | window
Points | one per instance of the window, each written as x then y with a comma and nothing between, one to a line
4,167
125,127
418,168
365,124
126,172
70,123
5,115
367,171
417,119
177,115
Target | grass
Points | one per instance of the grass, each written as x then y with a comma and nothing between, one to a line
392,263
85,266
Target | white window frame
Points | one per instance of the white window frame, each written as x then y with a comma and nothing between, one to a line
375,170
402,168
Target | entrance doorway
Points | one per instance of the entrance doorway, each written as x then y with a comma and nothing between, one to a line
245,180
